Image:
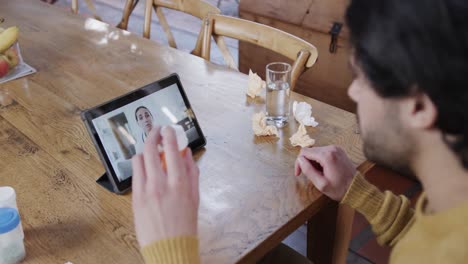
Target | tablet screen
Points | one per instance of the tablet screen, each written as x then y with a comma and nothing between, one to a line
123,131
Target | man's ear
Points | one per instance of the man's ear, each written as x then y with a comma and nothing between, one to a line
418,111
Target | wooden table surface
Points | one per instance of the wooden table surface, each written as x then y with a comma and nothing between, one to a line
250,199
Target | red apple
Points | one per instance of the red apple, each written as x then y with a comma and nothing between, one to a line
12,57
4,66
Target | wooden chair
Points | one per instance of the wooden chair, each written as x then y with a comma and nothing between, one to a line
300,51
197,8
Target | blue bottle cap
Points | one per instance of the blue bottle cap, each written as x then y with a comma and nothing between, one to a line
9,219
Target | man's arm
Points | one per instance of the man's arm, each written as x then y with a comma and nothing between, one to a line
389,215
165,202
334,175
179,250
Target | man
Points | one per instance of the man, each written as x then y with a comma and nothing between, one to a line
144,120
410,62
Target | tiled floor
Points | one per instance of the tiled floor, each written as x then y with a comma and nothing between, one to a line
363,248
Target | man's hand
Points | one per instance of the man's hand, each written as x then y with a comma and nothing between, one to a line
165,204
329,169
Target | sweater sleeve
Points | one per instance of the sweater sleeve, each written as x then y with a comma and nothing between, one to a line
390,215
180,250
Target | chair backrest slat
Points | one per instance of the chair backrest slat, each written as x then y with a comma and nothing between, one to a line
196,8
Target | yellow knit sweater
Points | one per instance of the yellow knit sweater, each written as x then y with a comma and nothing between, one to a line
180,250
416,237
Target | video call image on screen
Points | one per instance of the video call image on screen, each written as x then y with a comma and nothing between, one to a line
123,131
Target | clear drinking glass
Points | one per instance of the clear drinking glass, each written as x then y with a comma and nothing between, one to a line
278,82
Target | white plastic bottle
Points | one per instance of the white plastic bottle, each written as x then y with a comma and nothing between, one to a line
11,237
8,197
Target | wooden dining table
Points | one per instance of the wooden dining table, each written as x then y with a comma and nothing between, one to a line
249,198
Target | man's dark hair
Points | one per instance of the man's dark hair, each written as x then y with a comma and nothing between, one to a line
408,46
142,107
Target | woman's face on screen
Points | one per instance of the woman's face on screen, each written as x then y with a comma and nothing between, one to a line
145,120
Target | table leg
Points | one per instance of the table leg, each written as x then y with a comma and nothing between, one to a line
329,234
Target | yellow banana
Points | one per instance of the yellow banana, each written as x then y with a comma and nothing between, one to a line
8,37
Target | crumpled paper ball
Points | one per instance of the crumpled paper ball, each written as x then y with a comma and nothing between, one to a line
300,138
260,127
256,84
303,114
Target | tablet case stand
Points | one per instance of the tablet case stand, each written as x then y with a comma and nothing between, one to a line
104,182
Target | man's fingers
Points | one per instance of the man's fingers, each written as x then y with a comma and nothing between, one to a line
193,172
312,173
297,168
174,161
316,154
156,176
139,175
192,167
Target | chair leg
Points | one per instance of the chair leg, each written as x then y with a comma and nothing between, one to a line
147,25
126,14
74,6
165,26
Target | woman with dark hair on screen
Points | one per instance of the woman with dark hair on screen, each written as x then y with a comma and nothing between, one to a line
144,119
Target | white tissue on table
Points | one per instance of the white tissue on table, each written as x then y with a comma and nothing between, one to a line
255,85
260,127
300,138
303,114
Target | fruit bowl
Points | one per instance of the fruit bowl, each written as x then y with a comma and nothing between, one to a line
10,55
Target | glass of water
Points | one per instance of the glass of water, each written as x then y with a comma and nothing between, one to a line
278,82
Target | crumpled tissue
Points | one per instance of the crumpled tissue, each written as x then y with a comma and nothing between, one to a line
260,127
256,84
303,114
300,138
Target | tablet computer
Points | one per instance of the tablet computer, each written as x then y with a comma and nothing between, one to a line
119,127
